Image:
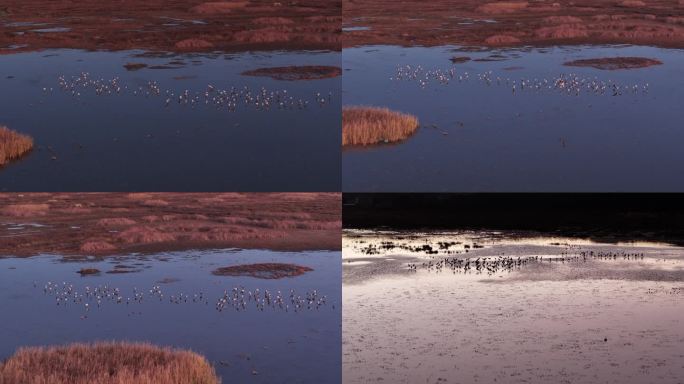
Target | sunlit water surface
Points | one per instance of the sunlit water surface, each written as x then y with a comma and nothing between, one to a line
561,319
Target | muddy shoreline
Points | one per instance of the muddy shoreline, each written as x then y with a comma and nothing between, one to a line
263,270
102,224
513,23
614,63
175,25
295,73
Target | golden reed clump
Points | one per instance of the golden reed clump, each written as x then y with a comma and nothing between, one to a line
13,145
106,363
373,125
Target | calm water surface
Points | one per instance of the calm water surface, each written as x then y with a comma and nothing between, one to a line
129,142
480,137
282,347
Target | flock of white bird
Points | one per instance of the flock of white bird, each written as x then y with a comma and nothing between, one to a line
228,99
238,298
569,84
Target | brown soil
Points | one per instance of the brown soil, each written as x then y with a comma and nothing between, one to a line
613,63
118,223
263,271
544,22
306,72
106,363
172,25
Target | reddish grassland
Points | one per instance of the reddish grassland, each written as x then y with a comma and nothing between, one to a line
304,72
372,125
172,25
13,145
514,23
116,223
106,363
263,270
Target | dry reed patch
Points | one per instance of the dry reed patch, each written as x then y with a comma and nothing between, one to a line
273,21
272,34
189,44
140,195
501,40
219,7
155,203
564,31
502,7
115,222
13,145
373,125
25,210
263,270
106,363
96,247
633,3
144,235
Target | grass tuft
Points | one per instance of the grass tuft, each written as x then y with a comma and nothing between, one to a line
13,145
373,125
106,363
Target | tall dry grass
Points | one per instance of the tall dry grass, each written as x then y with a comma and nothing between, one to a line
106,363
219,7
373,125
13,145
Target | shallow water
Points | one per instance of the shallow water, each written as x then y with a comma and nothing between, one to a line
355,29
480,137
369,254
126,141
615,321
280,346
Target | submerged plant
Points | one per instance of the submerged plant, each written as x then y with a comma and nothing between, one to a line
373,125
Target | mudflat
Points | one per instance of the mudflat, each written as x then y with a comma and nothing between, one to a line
482,306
